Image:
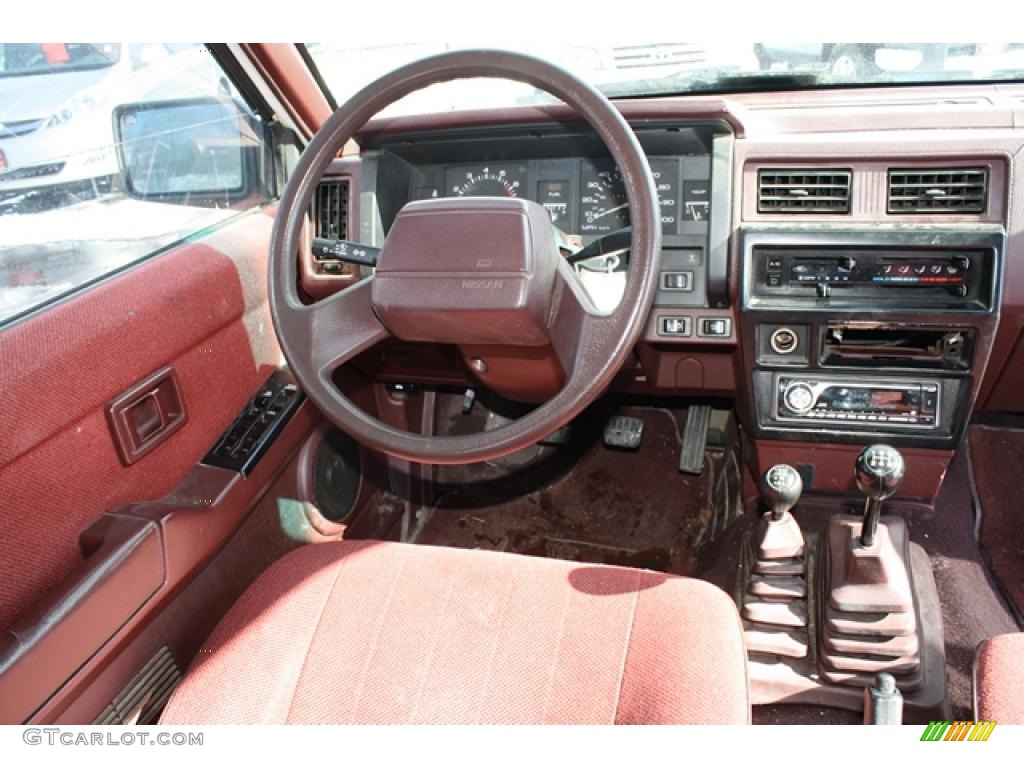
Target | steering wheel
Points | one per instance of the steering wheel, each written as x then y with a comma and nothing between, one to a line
465,271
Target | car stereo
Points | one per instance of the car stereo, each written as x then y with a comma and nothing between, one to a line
902,403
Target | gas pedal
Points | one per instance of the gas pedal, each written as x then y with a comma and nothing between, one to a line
695,438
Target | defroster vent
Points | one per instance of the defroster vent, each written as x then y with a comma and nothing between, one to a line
803,190
330,210
937,190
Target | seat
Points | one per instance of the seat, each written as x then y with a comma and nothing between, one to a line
388,633
998,680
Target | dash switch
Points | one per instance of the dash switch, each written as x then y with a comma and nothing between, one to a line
714,326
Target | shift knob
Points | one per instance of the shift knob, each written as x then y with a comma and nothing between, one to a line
781,487
880,470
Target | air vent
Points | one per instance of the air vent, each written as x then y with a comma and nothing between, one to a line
803,190
330,210
937,190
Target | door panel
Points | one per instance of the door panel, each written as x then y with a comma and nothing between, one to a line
45,646
201,308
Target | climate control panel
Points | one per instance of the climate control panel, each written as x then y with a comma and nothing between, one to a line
894,277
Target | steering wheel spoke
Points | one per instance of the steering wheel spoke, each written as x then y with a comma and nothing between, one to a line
339,327
576,327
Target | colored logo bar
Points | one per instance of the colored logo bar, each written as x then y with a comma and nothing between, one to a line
960,730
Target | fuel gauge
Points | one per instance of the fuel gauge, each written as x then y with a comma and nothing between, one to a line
554,196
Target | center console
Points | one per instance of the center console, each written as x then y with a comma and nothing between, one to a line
865,336
830,614
860,334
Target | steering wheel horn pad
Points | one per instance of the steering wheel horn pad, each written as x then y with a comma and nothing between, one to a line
543,295
476,270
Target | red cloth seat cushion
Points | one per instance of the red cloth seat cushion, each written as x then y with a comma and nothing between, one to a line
379,632
999,679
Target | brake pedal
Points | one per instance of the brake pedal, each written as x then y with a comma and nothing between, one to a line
695,439
623,432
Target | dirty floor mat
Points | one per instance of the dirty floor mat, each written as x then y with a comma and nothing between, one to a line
585,502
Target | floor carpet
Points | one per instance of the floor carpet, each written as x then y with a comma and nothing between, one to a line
996,464
586,502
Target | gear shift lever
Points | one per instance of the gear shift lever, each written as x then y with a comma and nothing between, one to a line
774,595
778,534
872,618
781,487
880,470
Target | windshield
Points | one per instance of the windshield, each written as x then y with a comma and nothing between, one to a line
42,58
647,69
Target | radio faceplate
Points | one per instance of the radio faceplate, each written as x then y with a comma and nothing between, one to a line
889,403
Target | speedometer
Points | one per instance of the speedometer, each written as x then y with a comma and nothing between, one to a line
603,205
506,180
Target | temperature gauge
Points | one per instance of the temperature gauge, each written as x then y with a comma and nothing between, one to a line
554,196
696,200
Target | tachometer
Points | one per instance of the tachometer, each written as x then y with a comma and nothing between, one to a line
486,181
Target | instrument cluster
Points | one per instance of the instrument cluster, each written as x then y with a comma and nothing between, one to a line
583,196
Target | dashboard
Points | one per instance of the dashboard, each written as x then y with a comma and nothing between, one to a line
829,317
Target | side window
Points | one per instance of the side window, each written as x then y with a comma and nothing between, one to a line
110,151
